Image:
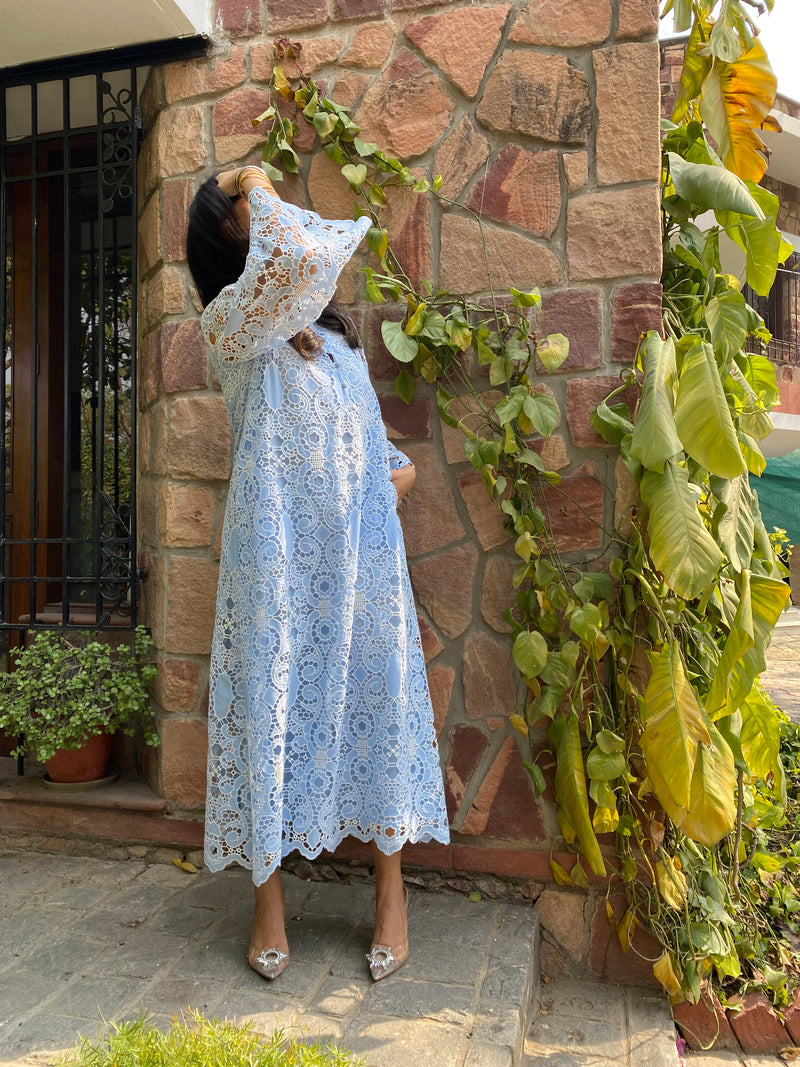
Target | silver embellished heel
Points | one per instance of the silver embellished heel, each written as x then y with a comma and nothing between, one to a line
384,960
270,963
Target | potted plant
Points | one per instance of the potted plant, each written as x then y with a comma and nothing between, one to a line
69,692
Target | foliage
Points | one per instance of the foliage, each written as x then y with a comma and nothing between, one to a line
645,662
68,686
194,1041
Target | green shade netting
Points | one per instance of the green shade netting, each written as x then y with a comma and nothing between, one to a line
778,491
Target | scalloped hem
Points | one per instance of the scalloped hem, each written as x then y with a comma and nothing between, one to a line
420,837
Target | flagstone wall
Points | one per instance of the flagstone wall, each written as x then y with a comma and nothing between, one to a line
543,117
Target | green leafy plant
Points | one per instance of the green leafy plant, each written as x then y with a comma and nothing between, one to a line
640,667
68,686
194,1041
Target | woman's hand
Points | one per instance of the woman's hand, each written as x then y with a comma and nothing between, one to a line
250,178
403,480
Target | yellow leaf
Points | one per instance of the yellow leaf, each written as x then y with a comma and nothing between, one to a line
560,874
696,64
281,83
184,865
612,919
736,99
579,876
711,811
626,930
671,883
519,724
605,820
664,972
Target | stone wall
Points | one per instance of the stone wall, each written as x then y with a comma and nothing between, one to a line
542,116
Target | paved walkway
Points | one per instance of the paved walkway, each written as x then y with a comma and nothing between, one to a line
782,676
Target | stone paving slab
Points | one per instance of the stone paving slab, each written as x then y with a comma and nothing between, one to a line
86,939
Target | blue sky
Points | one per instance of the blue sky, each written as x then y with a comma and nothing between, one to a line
780,35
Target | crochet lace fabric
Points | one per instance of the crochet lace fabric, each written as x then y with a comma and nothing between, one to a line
320,721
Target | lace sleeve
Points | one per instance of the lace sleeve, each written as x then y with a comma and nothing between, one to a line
397,459
292,267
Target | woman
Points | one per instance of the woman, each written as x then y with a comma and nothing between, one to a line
320,722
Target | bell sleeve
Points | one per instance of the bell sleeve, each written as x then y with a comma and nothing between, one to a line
290,276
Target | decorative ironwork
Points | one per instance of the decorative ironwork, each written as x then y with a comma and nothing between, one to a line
68,215
781,313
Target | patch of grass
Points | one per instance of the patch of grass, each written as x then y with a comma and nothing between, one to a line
194,1041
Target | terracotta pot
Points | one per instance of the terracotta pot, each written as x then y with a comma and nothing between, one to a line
85,764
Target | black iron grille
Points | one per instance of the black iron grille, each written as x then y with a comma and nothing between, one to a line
68,148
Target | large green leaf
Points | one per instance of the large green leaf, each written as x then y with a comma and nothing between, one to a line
570,787
761,740
530,653
712,804
674,727
703,417
680,545
727,319
707,187
655,438
736,528
761,602
696,65
401,346
759,239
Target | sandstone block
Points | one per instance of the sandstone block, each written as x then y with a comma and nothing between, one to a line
176,197
484,514
576,170
440,683
407,217
538,95
553,452
636,309
178,141
489,678
232,123
429,515
443,585
627,150
161,294
576,510
186,514
149,232
289,15
614,234
705,1023
406,109
155,599
569,24
431,645
329,192
514,815
606,957
405,420
513,259
184,748
158,438
199,438
350,87
357,9
523,189
583,396
191,601
149,369
372,45
146,520
460,156
578,314
497,593
792,1019
467,745
757,1026
637,18
563,920
184,361
625,497
461,43
177,684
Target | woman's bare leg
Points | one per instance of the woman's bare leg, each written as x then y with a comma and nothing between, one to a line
268,925
391,925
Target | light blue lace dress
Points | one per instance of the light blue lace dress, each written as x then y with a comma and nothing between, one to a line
320,721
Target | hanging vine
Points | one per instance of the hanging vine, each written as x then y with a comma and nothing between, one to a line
645,674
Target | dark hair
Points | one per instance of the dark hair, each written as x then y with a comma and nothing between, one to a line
216,251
